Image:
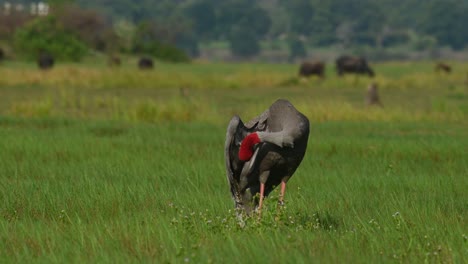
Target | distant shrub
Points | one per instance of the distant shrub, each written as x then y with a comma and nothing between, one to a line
243,42
296,48
88,25
10,23
161,51
188,43
293,81
424,43
396,39
46,34
147,40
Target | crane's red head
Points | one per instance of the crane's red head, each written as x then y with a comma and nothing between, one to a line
246,148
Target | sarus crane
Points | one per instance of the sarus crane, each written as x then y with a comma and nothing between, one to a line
264,153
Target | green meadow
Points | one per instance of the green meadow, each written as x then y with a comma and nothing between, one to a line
117,165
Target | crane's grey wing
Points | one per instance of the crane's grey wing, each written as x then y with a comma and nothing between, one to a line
259,123
229,150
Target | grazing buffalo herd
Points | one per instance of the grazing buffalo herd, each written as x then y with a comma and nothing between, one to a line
344,64
357,65
351,64
46,61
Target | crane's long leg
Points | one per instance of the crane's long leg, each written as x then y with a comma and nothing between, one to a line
283,190
263,179
262,191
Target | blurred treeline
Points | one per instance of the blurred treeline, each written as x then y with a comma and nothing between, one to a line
176,29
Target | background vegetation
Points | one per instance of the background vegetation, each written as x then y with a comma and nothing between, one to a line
260,30
377,25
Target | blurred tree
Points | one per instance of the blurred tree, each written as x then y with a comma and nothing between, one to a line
370,24
424,42
259,20
446,21
243,23
56,4
344,33
233,14
180,30
296,48
47,34
59,2
359,22
243,42
90,26
378,23
126,31
188,43
202,15
301,13
323,31
158,41
10,23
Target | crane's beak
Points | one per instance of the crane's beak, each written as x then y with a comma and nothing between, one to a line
248,165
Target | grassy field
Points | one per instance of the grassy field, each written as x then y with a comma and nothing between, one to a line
118,165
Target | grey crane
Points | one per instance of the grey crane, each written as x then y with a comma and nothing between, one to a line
264,153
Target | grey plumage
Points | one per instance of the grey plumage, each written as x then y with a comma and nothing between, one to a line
284,133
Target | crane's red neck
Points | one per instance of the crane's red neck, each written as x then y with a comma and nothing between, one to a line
246,148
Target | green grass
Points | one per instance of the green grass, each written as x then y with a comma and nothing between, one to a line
92,172
210,92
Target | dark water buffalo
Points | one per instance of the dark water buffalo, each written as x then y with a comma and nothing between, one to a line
443,67
45,61
308,69
145,63
349,64
114,61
